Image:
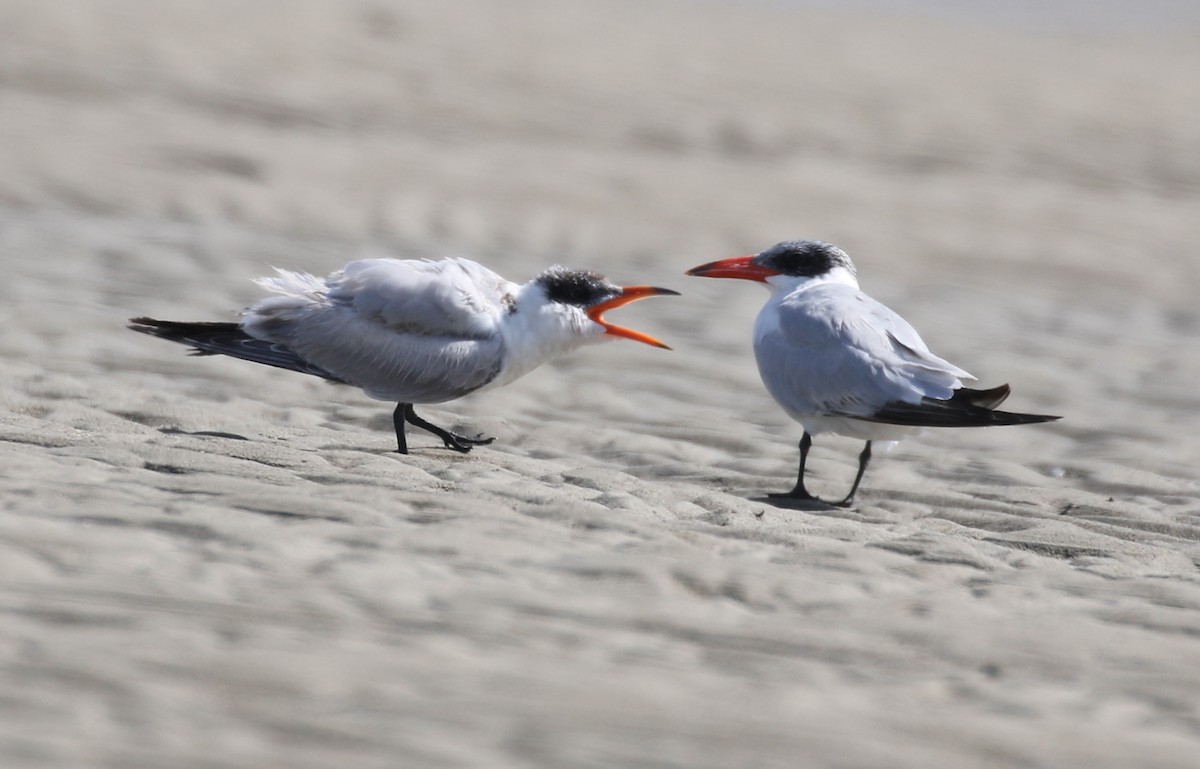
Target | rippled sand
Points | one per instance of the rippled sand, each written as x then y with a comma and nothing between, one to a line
207,563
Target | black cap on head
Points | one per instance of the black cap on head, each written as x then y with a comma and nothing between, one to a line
578,287
804,258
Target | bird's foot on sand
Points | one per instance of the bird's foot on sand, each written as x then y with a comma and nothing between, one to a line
799,499
463,443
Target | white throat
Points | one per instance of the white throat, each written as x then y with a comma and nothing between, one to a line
539,330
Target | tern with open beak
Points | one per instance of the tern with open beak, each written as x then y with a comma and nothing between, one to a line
415,331
839,362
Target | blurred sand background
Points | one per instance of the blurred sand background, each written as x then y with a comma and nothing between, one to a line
206,563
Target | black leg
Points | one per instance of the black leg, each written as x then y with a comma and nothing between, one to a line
799,492
863,459
398,421
452,440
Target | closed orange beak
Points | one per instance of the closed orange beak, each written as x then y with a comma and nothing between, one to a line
734,267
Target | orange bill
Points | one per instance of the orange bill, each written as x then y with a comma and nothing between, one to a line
627,295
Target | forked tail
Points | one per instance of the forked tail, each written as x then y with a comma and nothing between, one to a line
228,339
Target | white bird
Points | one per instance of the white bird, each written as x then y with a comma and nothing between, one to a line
415,331
839,362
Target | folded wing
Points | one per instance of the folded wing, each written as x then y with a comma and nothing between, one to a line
835,351
409,331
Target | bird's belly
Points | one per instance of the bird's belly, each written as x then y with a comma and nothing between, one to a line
431,372
850,427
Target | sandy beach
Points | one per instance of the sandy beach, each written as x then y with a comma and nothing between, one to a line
211,564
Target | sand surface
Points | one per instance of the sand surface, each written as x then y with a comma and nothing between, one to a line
206,563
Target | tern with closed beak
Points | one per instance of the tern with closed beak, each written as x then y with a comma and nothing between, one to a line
415,331
839,362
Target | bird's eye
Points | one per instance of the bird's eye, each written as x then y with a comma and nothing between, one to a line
804,258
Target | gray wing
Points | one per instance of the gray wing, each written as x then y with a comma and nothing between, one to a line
408,331
833,350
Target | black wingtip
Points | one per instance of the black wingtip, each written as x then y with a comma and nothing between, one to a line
1002,418
227,338
962,410
985,399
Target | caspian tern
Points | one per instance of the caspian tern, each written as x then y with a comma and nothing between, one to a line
415,331
839,362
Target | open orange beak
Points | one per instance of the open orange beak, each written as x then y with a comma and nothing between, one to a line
627,295
735,267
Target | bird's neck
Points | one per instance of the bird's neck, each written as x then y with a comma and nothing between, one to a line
537,331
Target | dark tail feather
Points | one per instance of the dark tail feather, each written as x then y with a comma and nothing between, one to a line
984,399
966,408
228,339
